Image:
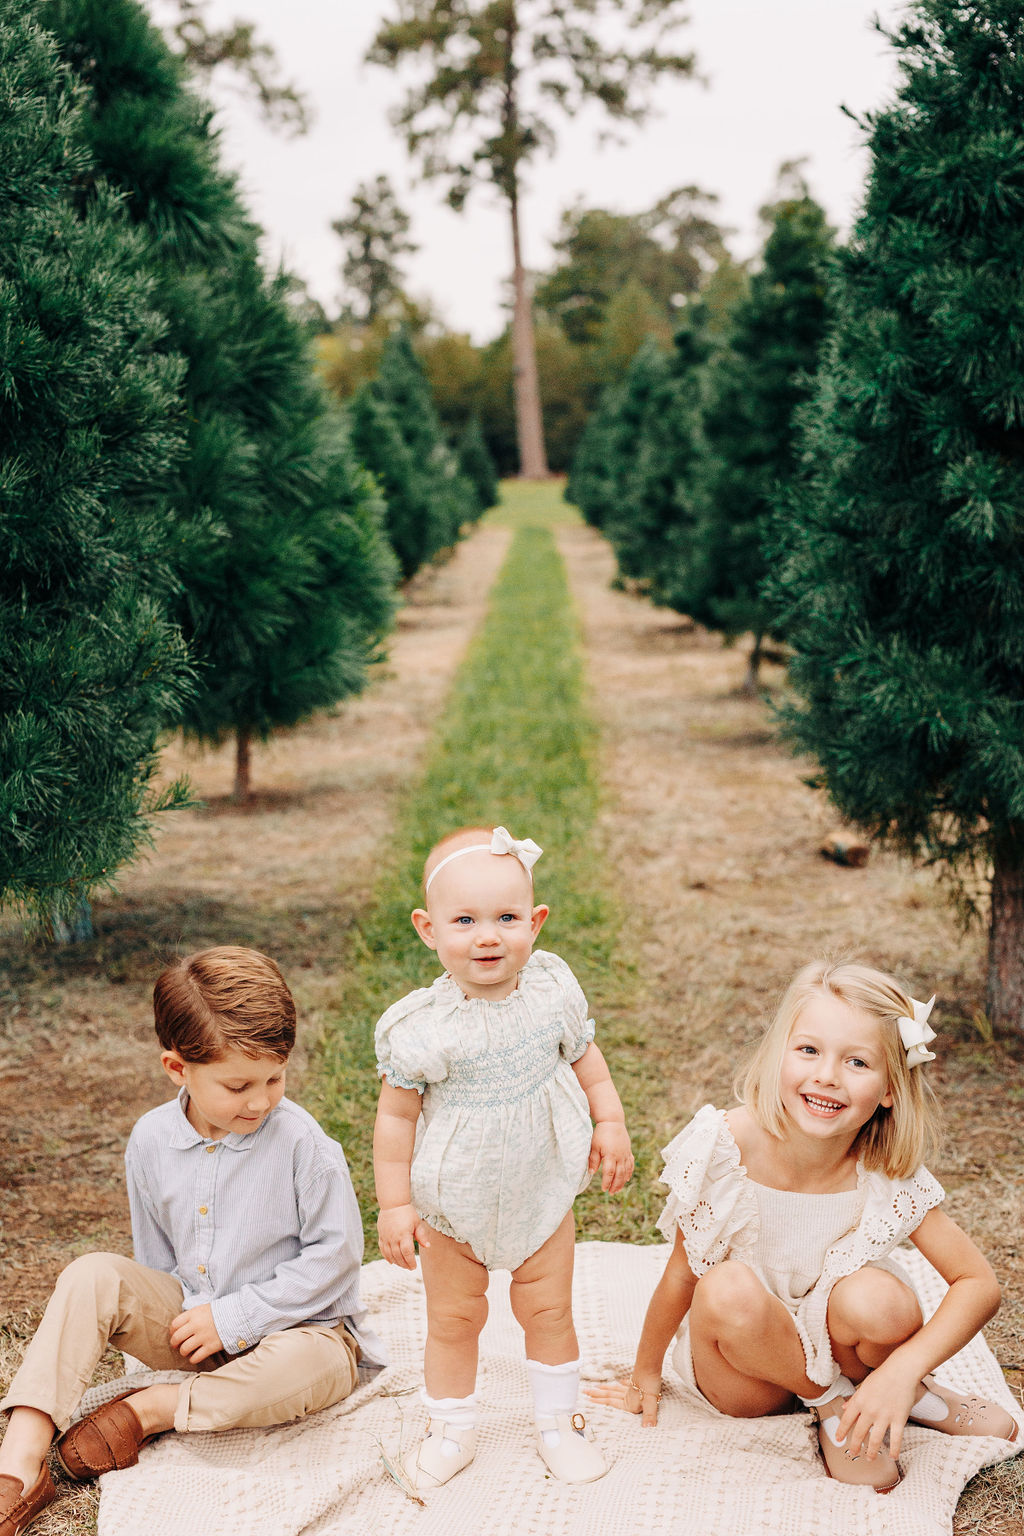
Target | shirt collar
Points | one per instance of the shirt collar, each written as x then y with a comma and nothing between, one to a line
184,1134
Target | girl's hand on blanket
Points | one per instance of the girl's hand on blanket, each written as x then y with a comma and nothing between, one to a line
399,1229
610,1145
194,1334
880,1406
635,1394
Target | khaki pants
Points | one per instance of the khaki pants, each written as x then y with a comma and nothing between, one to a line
103,1299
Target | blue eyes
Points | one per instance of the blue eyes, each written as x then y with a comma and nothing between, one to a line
506,917
855,1061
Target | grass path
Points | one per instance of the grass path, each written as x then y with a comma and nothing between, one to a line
515,744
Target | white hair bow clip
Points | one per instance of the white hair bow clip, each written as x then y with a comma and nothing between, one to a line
502,841
524,848
916,1033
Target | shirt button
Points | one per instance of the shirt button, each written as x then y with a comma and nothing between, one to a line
212,1148
202,1210
242,1344
202,1269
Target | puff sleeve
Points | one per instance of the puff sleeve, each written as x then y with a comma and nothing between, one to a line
709,1200
577,1029
409,1042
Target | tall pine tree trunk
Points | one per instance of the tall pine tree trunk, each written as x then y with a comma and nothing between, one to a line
74,927
752,681
243,755
533,464
1005,1003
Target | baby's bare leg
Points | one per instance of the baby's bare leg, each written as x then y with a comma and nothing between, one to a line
541,1296
747,1355
456,1285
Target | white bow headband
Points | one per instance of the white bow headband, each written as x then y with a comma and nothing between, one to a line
916,1033
502,841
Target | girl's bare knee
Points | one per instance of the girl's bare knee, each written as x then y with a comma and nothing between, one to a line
873,1306
731,1298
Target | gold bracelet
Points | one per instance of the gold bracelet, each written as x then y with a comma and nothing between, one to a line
642,1394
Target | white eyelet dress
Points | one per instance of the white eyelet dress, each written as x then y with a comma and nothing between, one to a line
798,1244
504,1137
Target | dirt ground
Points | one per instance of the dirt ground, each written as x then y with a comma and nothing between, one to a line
707,825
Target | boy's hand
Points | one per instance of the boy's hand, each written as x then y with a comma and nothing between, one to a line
194,1335
399,1229
610,1145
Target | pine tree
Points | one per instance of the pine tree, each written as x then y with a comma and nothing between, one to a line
413,529
476,465
656,442
591,482
277,547
401,385
90,665
756,382
899,560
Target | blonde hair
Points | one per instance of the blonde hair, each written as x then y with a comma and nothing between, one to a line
221,1000
895,1140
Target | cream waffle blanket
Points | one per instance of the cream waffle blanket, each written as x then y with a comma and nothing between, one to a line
696,1474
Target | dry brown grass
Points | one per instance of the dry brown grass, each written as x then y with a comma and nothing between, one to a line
713,839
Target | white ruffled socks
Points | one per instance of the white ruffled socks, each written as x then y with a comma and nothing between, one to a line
564,1441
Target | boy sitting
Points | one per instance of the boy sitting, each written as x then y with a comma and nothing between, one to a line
247,1244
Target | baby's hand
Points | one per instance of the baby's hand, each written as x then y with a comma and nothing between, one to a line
610,1145
194,1334
629,1394
399,1229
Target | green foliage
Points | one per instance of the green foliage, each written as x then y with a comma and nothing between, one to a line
636,472
755,384
476,465
236,47
466,119
375,232
663,251
285,580
898,561
90,665
414,529
438,488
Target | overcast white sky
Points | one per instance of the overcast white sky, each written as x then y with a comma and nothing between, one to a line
777,73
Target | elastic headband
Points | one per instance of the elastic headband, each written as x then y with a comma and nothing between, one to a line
524,849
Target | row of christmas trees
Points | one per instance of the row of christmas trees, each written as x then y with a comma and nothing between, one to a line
870,514
188,534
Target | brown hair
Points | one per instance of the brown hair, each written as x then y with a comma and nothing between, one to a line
895,1140
221,1000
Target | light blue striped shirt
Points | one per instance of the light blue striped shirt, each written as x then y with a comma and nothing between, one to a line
265,1226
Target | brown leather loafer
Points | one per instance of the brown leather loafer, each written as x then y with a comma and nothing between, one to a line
19,1506
108,1440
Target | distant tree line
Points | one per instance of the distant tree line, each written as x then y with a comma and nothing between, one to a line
617,278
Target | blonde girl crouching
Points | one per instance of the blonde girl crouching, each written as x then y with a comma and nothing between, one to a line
785,1213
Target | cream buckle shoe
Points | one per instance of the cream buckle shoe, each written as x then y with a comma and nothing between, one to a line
433,1465
576,1458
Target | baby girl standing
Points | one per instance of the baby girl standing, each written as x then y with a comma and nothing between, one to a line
786,1212
483,1139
